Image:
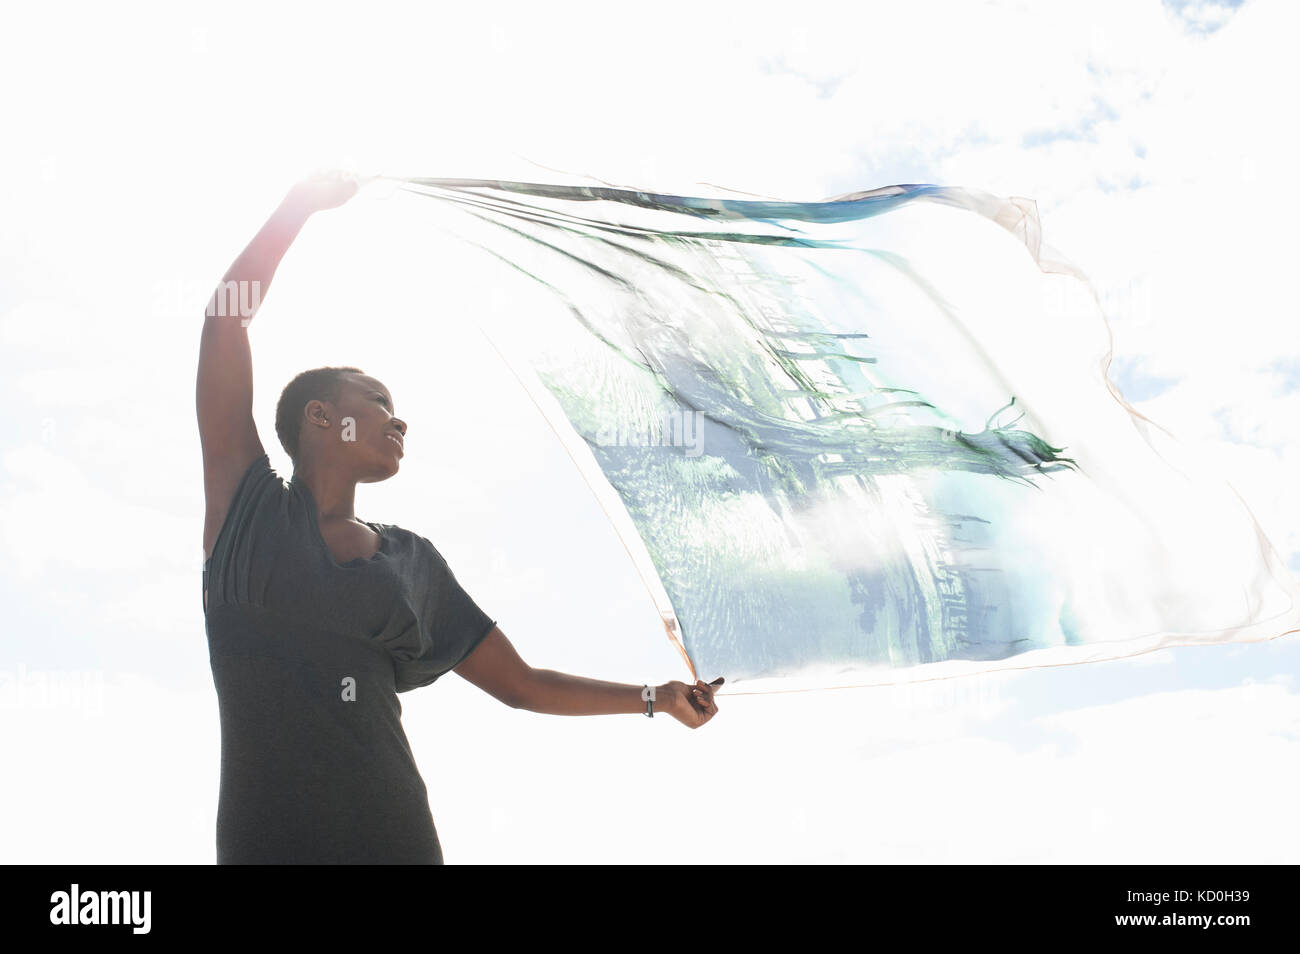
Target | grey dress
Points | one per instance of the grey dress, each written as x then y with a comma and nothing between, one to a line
308,656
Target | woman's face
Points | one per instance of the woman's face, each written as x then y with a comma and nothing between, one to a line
372,437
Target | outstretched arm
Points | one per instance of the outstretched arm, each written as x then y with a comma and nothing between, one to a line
496,668
224,396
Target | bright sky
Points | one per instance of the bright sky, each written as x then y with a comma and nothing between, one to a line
147,144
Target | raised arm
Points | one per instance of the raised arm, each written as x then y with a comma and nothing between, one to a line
496,668
224,397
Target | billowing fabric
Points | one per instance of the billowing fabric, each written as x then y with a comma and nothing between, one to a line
308,656
860,440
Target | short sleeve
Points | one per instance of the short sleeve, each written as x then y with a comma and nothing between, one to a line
247,519
453,627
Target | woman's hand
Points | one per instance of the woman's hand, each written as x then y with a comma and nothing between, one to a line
326,189
690,705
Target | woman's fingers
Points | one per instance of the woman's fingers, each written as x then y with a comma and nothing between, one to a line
703,693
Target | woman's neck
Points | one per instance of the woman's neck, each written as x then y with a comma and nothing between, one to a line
334,494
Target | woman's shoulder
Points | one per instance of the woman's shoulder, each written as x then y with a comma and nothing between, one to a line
400,533
414,541
263,475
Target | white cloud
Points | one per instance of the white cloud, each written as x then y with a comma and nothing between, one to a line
901,775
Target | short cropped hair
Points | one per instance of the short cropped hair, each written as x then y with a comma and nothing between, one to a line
318,384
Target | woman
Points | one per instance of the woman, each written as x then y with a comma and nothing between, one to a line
316,619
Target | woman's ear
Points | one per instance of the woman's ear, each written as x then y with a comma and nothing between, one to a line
316,413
